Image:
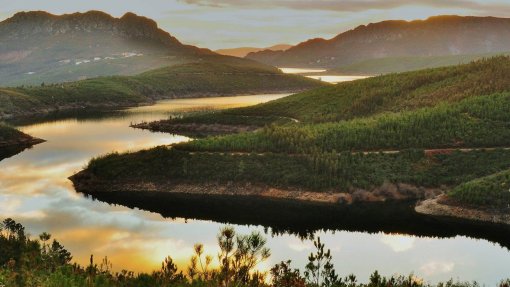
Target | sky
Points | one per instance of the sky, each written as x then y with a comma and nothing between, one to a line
218,24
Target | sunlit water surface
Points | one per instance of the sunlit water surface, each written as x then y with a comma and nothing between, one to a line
318,74
35,191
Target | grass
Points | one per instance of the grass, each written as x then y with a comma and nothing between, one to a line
476,122
492,190
405,64
389,93
214,77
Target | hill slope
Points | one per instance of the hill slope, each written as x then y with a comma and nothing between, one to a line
244,51
223,76
389,93
38,47
415,135
436,36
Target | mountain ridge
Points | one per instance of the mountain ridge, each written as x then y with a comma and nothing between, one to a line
37,47
436,36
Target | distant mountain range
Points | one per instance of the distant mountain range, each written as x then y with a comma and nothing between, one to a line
244,51
442,36
38,47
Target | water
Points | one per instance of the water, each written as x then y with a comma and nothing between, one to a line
34,190
319,74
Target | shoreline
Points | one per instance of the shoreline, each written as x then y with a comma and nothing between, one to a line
87,183
439,207
150,100
193,129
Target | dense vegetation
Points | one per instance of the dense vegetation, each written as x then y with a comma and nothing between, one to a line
493,190
42,262
471,123
390,93
405,64
216,77
420,119
322,171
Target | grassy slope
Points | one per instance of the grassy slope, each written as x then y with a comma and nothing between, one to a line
476,122
445,107
492,190
223,76
389,93
405,64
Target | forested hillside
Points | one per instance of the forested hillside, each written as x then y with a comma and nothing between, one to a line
433,129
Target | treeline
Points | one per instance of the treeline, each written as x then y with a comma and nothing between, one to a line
319,172
472,123
41,262
493,191
390,93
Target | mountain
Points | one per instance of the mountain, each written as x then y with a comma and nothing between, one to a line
244,51
38,47
436,36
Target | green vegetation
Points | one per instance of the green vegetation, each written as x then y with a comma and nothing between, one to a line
493,190
320,172
476,122
215,77
8,134
390,93
403,128
41,262
405,64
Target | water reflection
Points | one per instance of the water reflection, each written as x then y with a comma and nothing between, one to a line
322,75
35,191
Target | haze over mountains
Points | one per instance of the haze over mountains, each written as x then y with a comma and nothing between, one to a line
435,37
38,47
244,51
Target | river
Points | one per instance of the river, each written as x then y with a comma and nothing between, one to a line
35,191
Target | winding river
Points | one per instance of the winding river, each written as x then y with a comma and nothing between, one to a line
34,190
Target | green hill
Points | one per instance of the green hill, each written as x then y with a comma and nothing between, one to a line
215,77
404,64
431,129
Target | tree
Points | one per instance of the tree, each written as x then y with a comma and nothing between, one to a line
319,271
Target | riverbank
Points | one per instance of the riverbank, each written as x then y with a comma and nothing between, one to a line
444,206
193,129
206,79
87,183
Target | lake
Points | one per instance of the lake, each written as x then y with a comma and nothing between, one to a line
35,191
321,74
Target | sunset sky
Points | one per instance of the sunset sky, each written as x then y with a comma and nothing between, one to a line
234,23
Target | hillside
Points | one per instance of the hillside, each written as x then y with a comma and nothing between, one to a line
403,64
244,51
215,77
37,47
397,39
427,133
389,93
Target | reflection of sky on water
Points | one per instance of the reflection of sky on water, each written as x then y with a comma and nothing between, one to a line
35,191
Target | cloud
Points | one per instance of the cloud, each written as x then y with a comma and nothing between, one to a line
350,5
399,243
433,268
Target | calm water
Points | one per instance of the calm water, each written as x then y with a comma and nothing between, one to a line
318,74
35,191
